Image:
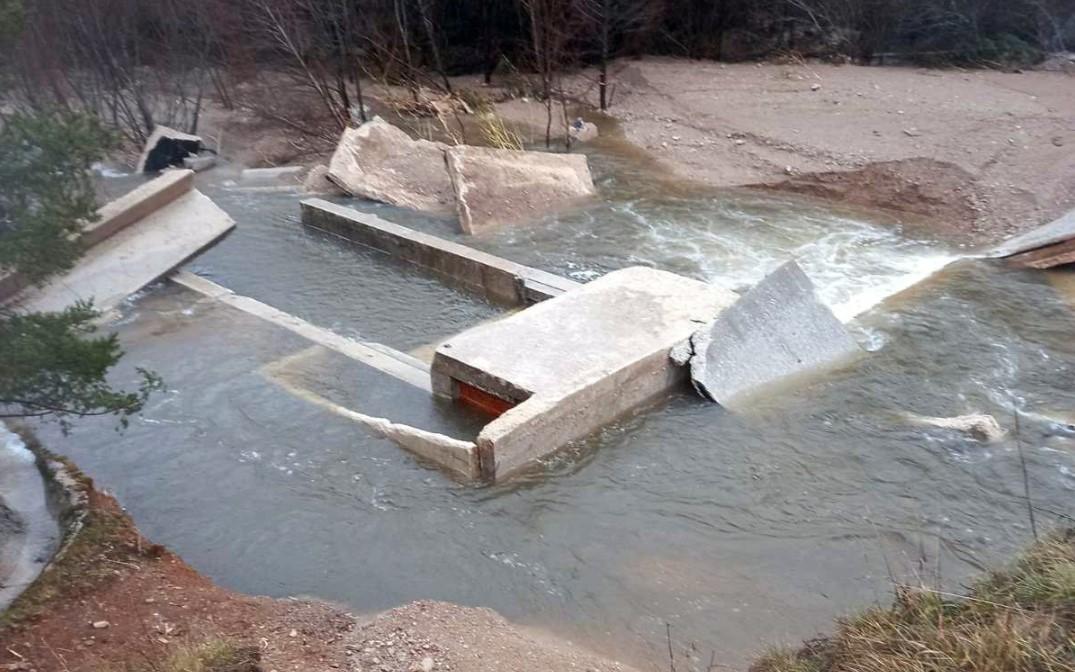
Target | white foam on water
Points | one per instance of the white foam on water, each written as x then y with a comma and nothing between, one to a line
855,265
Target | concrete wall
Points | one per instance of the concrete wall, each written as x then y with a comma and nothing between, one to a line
541,425
137,204
118,215
502,281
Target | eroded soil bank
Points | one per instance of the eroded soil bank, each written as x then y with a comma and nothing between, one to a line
114,600
975,154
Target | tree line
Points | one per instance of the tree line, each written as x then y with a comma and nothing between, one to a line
135,63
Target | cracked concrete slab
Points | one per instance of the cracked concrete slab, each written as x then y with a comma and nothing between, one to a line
776,332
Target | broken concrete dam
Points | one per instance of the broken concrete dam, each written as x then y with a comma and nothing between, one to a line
333,364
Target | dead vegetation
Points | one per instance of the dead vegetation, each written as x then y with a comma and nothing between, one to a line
1021,619
213,655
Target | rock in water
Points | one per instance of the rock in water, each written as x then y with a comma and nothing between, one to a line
500,186
165,148
382,163
777,330
583,131
978,426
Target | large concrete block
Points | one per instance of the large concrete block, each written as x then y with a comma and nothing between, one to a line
382,163
575,362
134,257
776,331
502,186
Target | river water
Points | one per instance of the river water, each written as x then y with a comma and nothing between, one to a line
738,531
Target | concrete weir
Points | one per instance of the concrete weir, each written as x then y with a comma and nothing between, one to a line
497,279
567,366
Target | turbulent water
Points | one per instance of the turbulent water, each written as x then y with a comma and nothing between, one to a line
739,531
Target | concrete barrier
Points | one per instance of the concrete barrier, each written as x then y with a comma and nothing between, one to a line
118,215
135,254
567,367
499,280
137,204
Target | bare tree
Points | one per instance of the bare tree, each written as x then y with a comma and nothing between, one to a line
611,21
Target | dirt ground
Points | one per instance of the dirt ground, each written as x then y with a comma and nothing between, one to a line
973,155
982,152
117,602
977,155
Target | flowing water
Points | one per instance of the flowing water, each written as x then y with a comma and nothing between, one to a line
739,531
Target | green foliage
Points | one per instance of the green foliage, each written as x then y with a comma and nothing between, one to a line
55,366
47,192
12,20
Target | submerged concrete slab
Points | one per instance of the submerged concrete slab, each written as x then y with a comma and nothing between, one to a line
495,278
132,258
384,359
576,362
777,331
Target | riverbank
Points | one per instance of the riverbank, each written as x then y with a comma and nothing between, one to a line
978,155
113,600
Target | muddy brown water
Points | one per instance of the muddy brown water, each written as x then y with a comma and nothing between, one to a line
740,531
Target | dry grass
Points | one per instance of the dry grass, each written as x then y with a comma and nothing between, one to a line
497,134
1021,619
215,655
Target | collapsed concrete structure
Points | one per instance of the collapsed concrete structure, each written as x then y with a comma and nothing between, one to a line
580,356
777,331
487,187
167,148
565,367
138,238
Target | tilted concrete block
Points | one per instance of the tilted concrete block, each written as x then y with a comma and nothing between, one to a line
777,331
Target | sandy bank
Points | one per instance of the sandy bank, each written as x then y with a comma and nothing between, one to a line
982,153
975,155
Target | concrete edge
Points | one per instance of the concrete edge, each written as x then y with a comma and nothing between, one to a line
137,204
397,364
498,279
117,215
67,495
540,426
